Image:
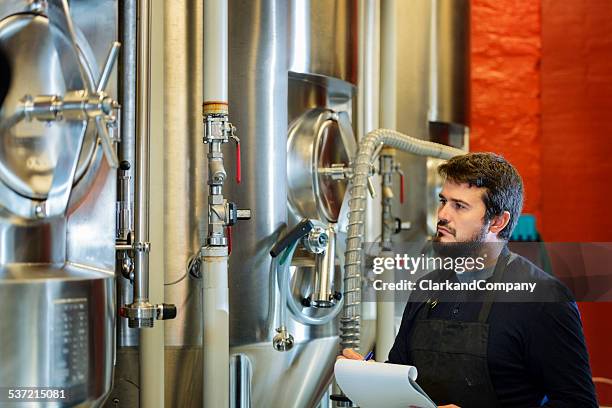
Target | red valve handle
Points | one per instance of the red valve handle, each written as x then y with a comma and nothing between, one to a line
401,188
238,165
228,230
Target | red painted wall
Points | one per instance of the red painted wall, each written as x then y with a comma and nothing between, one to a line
542,96
505,91
577,145
576,125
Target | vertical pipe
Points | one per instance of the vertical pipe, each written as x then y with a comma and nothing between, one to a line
369,87
388,65
215,287
325,266
151,352
215,321
141,188
385,310
127,95
215,50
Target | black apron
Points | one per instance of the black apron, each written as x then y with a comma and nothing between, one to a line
451,356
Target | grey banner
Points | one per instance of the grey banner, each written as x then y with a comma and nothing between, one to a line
534,272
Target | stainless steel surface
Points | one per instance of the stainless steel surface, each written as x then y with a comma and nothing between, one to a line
318,139
142,180
258,101
57,274
258,108
59,13
323,38
301,376
449,62
186,174
433,59
63,336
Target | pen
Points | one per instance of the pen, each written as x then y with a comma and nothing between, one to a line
368,356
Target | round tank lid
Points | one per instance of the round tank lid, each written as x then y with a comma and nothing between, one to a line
29,151
319,139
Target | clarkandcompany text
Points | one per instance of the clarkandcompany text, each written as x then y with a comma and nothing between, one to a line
429,285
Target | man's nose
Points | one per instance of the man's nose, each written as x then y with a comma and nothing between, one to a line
443,213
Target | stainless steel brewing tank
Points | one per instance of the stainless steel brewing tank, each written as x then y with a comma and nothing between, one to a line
432,96
432,101
57,331
56,272
260,59
323,38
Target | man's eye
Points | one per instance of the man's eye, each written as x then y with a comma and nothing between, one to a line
459,206
442,201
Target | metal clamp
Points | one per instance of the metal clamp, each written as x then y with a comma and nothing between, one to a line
316,240
142,246
143,314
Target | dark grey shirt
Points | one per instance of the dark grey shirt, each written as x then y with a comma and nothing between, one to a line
536,352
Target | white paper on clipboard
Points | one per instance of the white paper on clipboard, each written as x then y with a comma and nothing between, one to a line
375,385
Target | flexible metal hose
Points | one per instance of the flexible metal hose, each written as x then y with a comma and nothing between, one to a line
350,323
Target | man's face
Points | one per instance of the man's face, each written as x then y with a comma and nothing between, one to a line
461,214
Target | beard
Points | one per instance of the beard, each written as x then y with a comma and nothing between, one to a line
472,247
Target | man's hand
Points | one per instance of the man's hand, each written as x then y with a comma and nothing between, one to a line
350,354
449,406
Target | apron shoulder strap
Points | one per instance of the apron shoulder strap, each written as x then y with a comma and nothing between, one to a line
502,262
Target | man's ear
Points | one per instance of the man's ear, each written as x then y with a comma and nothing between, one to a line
499,222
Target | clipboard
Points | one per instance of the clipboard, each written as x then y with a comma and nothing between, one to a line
376,385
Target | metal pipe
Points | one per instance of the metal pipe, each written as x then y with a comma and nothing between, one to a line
127,91
127,98
385,312
151,351
369,103
324,280
141,188
351,318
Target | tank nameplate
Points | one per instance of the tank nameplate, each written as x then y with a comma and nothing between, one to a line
70,333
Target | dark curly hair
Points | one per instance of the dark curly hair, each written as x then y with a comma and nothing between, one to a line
503,184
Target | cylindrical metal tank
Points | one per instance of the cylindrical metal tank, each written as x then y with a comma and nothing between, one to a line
279,71
432,97
184,197
324,38
431,100
56,272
